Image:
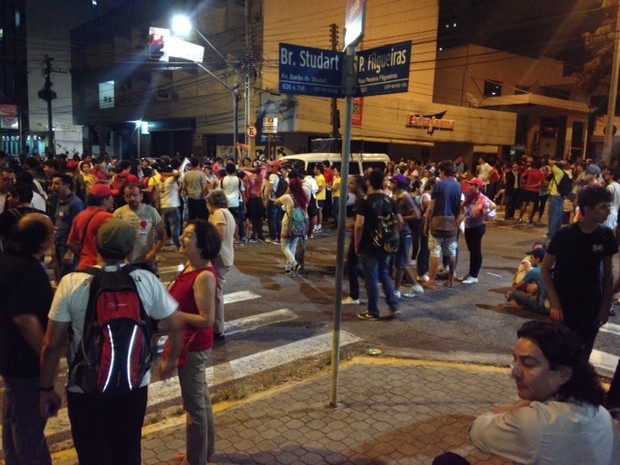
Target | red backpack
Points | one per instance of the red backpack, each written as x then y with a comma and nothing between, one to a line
115,351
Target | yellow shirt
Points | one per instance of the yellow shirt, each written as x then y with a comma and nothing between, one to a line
336,187
320,181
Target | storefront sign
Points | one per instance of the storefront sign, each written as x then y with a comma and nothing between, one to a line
431,122
358,112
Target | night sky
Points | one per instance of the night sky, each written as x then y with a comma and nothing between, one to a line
552,28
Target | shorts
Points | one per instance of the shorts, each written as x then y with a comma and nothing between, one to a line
256,210
321,204
529,196
442,246
403,254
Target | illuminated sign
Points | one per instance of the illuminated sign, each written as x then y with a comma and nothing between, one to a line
431,123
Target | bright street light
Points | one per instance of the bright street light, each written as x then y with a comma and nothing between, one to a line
181,25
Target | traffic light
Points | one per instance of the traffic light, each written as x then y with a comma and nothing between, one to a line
156,46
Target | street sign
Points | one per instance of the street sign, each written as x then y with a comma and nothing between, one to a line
251,131
310,71
384,70
355,22
270,125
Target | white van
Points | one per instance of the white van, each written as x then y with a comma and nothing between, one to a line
359,162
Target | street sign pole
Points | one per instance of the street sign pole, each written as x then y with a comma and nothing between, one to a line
354,33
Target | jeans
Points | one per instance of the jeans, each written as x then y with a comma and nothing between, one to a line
473,238
172,219
530,302
335,210
377,270
353,272
556,209
200,426
289,246
222,270
237,213
107,430
274,220
23,440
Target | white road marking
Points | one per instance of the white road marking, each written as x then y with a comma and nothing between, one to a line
160,391
610,328
240,296
604,360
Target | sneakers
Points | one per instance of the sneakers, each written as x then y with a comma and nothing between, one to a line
470,280
367,316
350,301
423,278
417,289
397,294
409,294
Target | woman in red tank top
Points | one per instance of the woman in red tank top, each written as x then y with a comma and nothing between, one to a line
194,289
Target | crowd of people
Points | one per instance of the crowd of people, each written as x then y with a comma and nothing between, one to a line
405,225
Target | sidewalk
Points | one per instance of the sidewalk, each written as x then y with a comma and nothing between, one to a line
392,411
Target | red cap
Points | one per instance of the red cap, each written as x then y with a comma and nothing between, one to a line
102,190
476,182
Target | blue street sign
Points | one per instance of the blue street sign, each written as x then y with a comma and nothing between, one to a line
383,70
310,71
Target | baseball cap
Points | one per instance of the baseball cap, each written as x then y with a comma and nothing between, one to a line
115,238
276,164
400,179
102,191
476,182
538,253
593,169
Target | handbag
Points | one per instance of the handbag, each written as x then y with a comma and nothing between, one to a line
443,226
188,338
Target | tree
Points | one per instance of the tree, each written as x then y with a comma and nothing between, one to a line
595,77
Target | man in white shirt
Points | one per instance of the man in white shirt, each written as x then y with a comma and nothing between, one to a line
560,418
169,203
611,177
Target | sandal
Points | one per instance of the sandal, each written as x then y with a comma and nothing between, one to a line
447,284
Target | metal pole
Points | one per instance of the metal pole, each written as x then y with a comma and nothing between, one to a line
613,93
349,86
235,96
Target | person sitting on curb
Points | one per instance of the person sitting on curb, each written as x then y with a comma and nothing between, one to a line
530,292
526,264
560,418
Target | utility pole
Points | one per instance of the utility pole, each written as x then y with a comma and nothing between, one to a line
613,93
48,95
335,114
248,72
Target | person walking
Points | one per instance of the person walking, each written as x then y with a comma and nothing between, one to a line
295,198
477,207
194,288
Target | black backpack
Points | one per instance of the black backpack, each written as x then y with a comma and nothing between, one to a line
565,186
282,186
385,235
115,351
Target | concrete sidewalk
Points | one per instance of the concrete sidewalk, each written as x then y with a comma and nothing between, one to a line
392,411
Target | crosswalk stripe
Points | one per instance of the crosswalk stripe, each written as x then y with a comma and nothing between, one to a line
604,360
252,364
239,296
610,328
235,369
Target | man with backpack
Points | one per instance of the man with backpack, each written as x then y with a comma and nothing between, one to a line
108,312
374,244
557,192
276,187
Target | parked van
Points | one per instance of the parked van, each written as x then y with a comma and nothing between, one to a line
359,162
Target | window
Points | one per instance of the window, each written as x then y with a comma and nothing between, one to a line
492,89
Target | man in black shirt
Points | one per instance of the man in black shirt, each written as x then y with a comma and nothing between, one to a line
374,260
23,319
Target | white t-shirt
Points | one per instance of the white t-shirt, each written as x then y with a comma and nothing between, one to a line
224,217
169,193
71,299
232,188
548,432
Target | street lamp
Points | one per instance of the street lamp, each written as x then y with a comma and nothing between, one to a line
181,25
